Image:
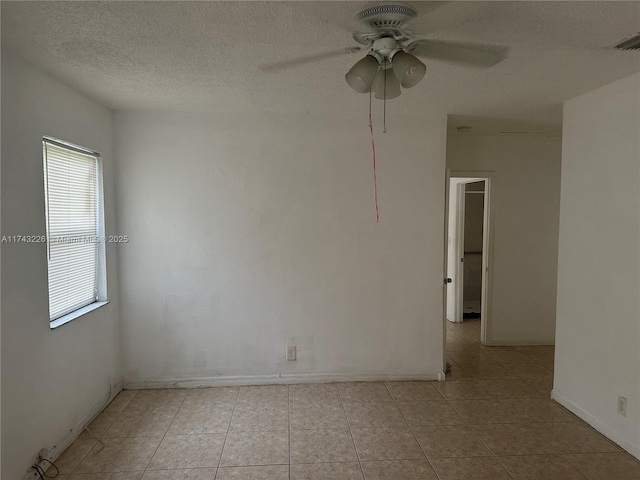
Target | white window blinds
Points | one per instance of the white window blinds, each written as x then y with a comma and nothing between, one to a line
73,195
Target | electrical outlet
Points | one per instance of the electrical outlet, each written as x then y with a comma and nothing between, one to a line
291,352
622,406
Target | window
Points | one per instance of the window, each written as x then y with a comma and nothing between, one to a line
75,230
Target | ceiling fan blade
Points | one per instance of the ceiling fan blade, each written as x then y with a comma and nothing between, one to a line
296,62
473,55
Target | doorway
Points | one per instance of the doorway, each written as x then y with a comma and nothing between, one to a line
468,253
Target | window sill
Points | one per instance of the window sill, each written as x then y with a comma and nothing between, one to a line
58,322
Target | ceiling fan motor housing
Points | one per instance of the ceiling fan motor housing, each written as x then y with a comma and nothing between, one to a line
386,15
384,20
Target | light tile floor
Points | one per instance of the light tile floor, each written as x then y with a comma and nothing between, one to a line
491,420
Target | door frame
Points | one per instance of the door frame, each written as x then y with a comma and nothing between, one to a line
486,315
458,277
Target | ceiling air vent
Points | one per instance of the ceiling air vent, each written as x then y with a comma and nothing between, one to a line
388,9
386,16
631,43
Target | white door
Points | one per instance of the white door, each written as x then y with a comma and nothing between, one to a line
455,248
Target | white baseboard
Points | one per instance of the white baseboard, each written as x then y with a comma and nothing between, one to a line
519,343
283,379
68,439
594,422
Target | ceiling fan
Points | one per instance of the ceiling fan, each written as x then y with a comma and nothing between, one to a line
391,52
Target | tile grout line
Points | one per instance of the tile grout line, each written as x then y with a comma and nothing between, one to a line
468,426
353,440
163,436
522,421
503,466
500,401
564,456
99,437
226,435
95,442
413,433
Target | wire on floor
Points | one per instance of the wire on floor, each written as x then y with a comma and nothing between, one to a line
38,470
50,463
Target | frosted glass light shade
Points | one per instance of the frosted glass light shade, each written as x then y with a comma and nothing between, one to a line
392,88
362,74
408,69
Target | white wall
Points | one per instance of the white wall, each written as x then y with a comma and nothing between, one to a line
598,325
251,231
51,379
525,192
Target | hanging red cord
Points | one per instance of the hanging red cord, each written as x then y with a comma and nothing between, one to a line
373,149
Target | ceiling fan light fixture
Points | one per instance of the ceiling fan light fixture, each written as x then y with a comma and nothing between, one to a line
392,87
408,69
362,75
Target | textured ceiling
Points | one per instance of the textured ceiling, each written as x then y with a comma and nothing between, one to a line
204,56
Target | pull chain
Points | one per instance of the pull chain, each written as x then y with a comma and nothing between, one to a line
384,100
